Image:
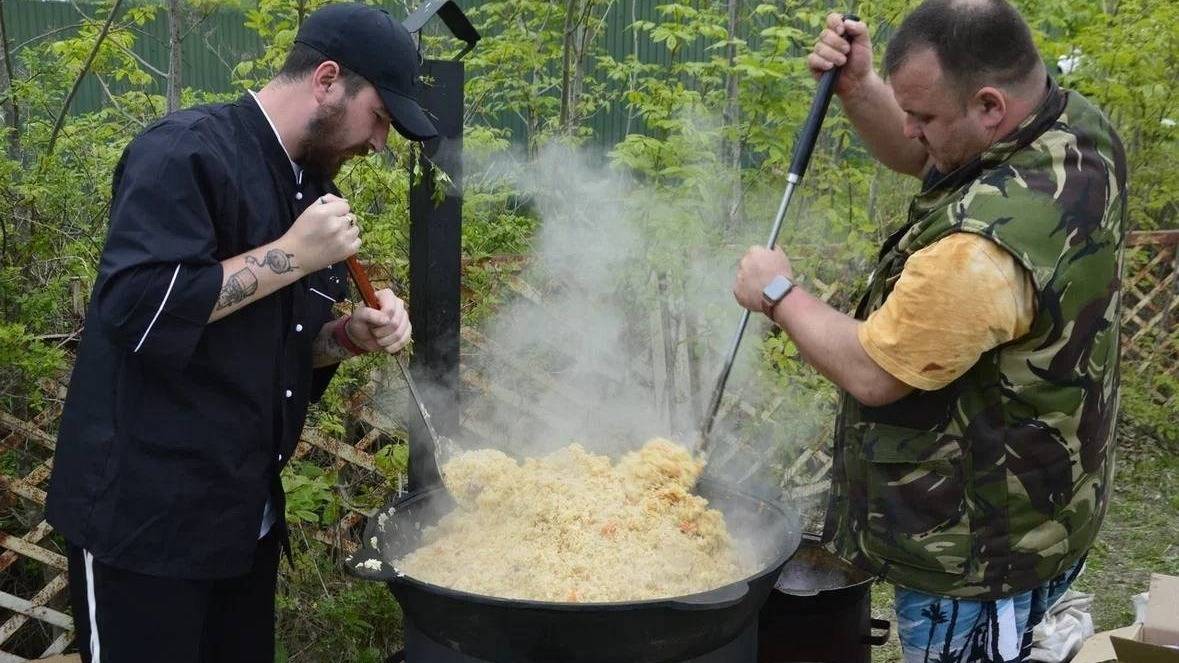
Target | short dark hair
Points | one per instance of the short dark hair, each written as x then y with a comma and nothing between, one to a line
302,60
976,42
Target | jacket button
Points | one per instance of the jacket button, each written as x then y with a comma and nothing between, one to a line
290,393
298,195
299,327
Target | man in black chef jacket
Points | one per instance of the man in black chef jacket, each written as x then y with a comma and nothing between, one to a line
210,330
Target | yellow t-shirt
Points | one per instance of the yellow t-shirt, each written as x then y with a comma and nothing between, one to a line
955,299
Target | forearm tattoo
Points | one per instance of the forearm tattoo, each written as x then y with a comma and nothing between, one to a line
241,284
279,261
326,350
244,282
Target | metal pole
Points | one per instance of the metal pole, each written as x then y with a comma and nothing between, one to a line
718,392
798,165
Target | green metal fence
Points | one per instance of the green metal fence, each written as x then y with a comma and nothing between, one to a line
211,48
219,42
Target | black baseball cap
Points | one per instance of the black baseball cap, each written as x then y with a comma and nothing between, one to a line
367,40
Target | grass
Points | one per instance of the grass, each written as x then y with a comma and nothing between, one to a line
1140,536
1141,530
325,614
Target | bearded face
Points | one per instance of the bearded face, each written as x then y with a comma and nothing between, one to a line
327,144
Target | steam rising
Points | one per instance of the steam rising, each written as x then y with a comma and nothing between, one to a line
620,335
615,331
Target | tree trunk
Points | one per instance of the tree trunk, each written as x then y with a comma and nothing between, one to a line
577,76
667,327
633,78
692,327
175,18
572,8
11,109
732,119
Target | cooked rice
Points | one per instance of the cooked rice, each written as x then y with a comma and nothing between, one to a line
571,527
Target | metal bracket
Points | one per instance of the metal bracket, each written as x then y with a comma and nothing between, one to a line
452,16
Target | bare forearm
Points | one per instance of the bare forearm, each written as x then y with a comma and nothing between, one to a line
880,123
827,340
326,350
255,274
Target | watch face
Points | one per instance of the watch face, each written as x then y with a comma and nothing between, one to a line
777,288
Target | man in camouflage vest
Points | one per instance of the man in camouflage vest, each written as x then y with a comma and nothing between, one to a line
975,439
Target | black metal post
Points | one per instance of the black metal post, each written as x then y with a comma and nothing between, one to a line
435,268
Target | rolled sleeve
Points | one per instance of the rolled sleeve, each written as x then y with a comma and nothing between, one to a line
160,277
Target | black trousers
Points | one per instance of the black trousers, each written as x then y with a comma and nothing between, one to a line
126,617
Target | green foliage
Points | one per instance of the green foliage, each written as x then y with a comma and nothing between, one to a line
517,70
689,193
310,496
26,361
517,59
276,22
1124,58
392,460
325,615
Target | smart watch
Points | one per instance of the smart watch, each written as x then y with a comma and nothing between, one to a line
775,292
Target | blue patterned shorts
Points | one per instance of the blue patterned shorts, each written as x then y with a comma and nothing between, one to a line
941,629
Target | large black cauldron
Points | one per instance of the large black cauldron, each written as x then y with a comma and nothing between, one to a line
516,631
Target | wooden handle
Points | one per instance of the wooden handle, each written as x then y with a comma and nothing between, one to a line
360,277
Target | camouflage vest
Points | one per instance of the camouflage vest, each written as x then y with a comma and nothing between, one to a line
998,482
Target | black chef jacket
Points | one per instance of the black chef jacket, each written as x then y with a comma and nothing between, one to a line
175,428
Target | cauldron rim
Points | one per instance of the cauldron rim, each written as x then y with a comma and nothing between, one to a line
682,601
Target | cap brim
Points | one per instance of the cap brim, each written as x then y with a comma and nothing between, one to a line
408,117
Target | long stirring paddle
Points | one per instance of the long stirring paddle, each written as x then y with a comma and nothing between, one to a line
798,165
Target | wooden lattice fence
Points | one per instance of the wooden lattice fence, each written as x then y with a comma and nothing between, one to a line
34,614
1150,336
34,611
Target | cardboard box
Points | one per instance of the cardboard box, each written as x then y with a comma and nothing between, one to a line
1099,649
1156,641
